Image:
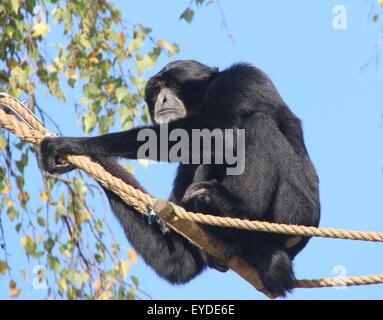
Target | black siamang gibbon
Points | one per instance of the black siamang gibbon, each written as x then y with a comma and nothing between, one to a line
278,183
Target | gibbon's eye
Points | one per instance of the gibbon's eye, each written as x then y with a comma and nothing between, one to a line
151,91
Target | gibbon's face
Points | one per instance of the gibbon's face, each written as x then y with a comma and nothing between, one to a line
177,90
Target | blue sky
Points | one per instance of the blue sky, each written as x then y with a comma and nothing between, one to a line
322,75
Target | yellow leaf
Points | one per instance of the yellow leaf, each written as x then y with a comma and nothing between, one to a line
44,196
380,2
172,49
124,267
109,88
104,296
3,142
62,284
94,60
4,267
11,63
163,44
24,241
106,66
27,242
40,238
72,63
12,284
41,29
17,71
121,38
6,189
132,255
135,45
9,203
87,215
24,274
71,74
14,292
58,65
143,162
97,285
129,168
78,218
23,197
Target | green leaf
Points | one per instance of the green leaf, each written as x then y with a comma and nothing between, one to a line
38,254
145,116
15,4
54,264
41,221
9,30
84,101
20,182
16,92
124,268
187,15
147,62
121,93
99,226
65,250
61,211
12,213
89,122
77,278
105,123
135,45
79,186
99,258
91,90
72,82
135,280
20,166
132,293
18,227
49,244
29,245
126,117
138,82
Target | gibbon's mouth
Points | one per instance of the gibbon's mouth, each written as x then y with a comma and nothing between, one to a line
167,111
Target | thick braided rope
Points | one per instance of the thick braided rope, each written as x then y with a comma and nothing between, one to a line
20,129
339,282
140,201
265,226
24,113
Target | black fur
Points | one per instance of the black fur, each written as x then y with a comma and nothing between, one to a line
171,255
279,183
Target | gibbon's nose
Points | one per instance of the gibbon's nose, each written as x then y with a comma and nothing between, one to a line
166,99
161,100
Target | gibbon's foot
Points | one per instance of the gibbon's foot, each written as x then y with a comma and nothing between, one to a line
216,263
